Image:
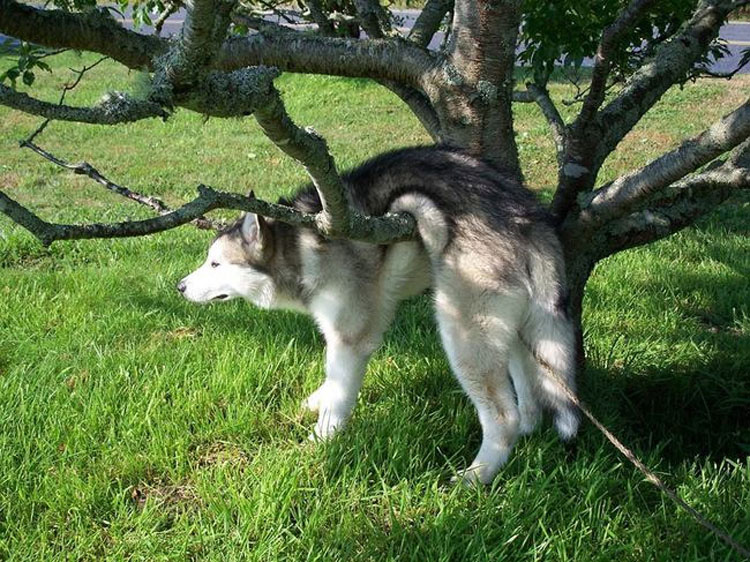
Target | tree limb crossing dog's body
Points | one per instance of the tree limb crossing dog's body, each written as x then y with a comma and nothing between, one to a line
486,248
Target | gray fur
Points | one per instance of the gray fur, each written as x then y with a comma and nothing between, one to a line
488,251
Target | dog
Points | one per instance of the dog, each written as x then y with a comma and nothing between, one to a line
487,250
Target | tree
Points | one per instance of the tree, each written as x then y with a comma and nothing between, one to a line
225,60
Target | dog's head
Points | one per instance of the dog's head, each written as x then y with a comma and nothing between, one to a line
235,266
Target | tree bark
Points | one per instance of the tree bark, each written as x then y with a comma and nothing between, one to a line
475,85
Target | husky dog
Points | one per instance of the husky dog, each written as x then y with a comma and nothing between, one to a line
487,250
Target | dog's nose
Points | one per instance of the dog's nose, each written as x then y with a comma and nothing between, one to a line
181,286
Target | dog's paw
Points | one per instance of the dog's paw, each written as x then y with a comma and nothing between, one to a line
472,477
313,402
325,430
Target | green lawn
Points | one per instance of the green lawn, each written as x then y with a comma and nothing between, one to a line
135,425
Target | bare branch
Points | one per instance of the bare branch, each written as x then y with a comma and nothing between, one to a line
594,139
672,211
550,112
114,108
624,194
369,229
523,96
200,38
338,218
428,21
671,61
260,24
386,59
607,45
420,106
66,88
172,6
395,60
207,200
325,26
84,168
374,19
93,30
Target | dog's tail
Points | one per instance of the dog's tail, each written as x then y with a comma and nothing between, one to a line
431,223
549,336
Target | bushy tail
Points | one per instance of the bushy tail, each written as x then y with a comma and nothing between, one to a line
549,337
431,223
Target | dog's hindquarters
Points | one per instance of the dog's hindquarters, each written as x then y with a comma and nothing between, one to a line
486,304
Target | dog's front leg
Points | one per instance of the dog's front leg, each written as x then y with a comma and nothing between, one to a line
334,400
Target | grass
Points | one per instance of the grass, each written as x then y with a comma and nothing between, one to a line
138,426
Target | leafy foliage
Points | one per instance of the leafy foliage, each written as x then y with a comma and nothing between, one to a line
28,57
569,31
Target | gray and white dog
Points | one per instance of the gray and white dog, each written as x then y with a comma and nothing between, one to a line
487,250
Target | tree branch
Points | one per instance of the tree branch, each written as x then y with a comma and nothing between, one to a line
393,59
672,211
93,30
84,168
114,108
555,120
369,229
670,63
207,200
374,19
420,106
318,15
338,218
172,6
592,140
387,59
607,45
626,193
428,22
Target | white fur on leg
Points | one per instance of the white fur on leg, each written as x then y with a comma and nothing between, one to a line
336,397
477,333
552,339
497,441
528,406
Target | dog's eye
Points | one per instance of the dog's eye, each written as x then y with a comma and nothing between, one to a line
214,264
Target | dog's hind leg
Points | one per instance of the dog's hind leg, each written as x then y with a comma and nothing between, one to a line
477,332
523,373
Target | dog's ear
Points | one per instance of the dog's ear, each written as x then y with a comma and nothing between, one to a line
254,229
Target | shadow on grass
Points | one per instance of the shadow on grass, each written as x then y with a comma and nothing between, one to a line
688,412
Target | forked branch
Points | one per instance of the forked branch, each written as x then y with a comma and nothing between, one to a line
86,169
626,193
676,208
337,219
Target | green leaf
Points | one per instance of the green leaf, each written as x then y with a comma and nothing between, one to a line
28,78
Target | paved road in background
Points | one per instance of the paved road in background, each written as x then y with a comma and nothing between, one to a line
736,34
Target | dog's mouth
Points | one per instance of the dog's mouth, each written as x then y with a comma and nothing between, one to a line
220,298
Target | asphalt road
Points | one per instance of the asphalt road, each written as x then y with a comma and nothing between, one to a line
736,34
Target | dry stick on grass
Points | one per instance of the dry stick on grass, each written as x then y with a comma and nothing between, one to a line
650,475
